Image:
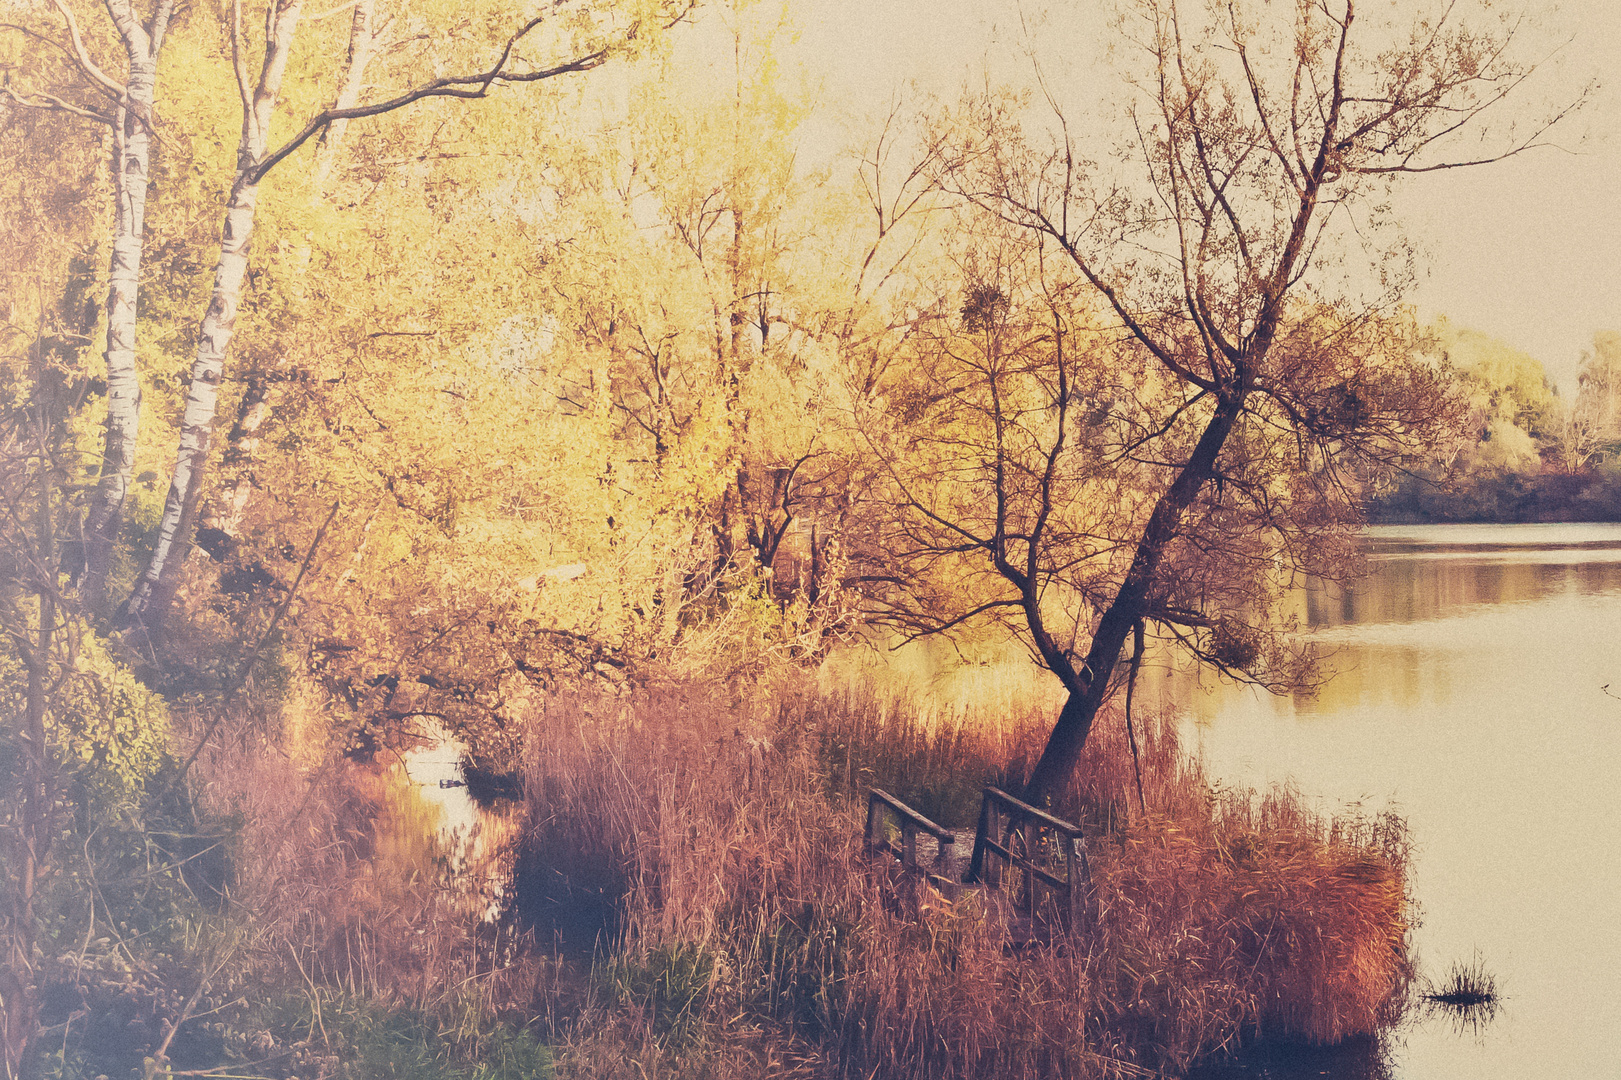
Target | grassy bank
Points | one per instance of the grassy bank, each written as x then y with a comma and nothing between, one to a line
739,931
695,903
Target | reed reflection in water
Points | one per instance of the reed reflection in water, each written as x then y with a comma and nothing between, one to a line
1468,690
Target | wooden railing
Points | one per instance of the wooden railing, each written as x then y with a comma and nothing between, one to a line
910,823
1023,827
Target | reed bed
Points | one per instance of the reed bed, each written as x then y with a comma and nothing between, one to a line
736,928
346,890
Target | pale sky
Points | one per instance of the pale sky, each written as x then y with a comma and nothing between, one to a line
1527,250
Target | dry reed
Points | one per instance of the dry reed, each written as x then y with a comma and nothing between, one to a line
741,931
344,884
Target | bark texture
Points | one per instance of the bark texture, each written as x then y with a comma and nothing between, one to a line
156,588
132,156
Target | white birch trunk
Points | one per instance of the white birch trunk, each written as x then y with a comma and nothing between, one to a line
132,147
363,44
154,592
227,508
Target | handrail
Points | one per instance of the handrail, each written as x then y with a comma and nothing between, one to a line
937,831
911,823
1025,809
1075,886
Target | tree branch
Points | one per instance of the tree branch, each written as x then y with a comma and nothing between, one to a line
455,86
52,103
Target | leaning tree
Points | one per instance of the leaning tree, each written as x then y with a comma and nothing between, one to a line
1163,383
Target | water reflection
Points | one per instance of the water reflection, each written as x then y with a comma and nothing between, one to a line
474,839
1467,691
1417,576
1355,1059
1466,998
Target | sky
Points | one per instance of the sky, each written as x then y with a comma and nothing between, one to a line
1527,250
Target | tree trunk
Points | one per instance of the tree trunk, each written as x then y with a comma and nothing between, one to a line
363,37
149,604
132,147
1056,766
225,510
156,589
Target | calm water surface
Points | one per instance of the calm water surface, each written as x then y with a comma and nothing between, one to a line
1469,693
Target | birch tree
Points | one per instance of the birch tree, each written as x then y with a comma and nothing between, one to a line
128,107
542,426
221,516
256,157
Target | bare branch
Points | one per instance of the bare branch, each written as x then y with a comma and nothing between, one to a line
81,55
55,104
456,86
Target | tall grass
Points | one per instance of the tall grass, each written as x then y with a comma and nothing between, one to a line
740,931
348,906
700,905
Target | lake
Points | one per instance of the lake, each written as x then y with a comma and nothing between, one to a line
1475,688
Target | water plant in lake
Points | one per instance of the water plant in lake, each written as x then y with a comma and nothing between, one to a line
1467,995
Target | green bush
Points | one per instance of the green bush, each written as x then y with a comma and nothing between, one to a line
671,983
105,728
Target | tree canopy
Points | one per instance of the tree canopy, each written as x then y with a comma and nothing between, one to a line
639,383
393,364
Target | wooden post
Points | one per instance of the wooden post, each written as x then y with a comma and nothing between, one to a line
943,858
1027,830
993,828
976,863
1072,859
872,820
908,844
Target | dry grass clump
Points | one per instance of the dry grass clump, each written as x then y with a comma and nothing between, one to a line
1467,984
739,930
1257,917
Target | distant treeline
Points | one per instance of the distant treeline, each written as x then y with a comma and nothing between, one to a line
1537,455
1505,498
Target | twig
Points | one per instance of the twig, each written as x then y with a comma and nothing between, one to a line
240,678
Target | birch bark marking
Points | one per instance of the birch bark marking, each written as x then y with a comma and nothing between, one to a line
157,586
225,509
132,147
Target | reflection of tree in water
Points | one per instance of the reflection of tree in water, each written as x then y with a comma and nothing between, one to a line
1413,582
1422,582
